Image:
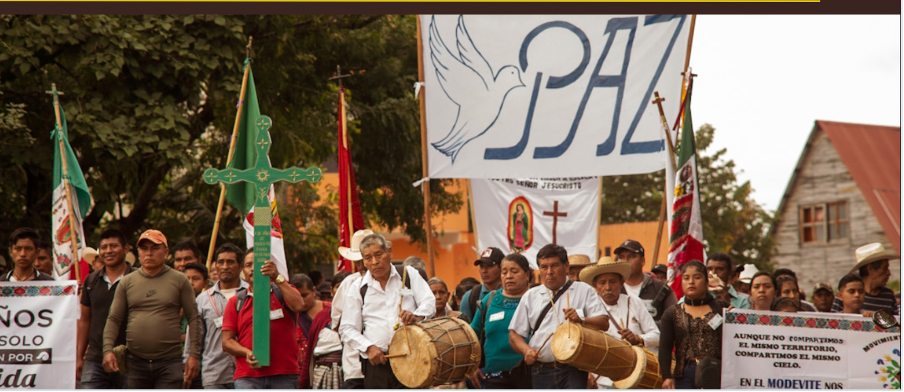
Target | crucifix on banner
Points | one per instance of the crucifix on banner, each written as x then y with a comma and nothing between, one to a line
555,214
261,176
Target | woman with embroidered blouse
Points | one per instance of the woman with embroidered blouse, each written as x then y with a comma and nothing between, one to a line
694,330
503,368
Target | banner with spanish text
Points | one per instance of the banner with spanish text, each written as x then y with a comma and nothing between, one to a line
523,215
808,351
37,334
516,96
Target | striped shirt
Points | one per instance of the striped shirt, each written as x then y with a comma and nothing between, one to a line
884,300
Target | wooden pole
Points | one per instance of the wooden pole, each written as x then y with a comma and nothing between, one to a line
431,270
73,228
235,131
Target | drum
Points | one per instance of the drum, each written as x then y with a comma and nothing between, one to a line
646,372
434,352
593,351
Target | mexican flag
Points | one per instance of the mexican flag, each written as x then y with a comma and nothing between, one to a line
241,195
64,227
685,223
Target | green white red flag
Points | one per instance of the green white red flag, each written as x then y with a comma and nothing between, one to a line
63,254
685,222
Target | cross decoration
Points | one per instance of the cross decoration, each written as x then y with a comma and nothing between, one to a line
261,176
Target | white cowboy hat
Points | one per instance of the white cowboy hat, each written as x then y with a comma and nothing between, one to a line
747,274
89,254
606,265
354,252
871,253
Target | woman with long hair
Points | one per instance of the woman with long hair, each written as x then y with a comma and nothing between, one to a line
786,286
694,330
314,317
503,368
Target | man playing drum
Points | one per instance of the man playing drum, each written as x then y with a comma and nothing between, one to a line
542,309
381,310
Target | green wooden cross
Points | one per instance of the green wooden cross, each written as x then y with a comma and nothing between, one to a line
261,176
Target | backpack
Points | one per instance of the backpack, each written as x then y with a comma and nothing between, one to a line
242,295
474,299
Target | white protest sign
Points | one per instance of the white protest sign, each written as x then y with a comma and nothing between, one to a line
808,351
512,96
37,334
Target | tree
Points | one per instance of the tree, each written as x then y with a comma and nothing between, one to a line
732,221
151,102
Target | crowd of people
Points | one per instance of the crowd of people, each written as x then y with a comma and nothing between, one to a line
151,324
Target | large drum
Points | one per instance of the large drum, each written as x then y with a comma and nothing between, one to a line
434,352
593,351
646,372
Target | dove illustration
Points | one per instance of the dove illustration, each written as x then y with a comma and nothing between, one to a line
469,82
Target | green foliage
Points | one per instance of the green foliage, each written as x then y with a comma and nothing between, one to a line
151,99
732,222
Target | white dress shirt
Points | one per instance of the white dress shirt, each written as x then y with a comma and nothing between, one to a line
380,313
351,365
582,298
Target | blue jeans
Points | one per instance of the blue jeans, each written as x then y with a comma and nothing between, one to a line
687,382
95,377
565,377
164,373
221,386
279,381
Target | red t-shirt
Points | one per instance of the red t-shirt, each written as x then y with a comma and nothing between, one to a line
283,341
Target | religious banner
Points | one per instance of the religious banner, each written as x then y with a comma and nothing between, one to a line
513,96
808,351
523,215
37,334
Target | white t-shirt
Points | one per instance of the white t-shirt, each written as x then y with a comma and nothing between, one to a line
633,290
228,293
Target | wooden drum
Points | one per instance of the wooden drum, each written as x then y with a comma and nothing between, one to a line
434,352
593,351
646,372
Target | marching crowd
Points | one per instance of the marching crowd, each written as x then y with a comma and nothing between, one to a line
150,325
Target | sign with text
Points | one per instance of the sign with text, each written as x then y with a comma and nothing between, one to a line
546,96
808,351
37,334
523,215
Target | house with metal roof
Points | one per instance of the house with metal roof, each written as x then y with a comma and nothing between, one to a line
845,192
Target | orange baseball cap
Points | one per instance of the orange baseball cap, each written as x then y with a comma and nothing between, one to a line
154,236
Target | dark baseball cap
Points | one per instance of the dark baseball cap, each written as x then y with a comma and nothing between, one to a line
661,268
823,286
632,246
490,257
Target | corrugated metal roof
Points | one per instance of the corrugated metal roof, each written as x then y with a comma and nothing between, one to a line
872,155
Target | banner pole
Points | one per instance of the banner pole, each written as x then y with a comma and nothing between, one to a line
431,270
73,229
235,130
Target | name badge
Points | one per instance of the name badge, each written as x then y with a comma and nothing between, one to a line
497,316
715,322
406,292
218,322
276,314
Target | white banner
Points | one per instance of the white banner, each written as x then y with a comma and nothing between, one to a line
808,351
523,215
548,96
37,334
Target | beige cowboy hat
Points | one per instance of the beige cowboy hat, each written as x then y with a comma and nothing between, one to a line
354,252
606,265
578,260
89,254
871,253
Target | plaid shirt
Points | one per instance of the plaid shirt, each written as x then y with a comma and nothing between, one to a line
217,367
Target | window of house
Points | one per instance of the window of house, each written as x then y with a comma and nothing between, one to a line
823,222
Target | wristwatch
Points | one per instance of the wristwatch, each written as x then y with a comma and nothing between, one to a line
279,279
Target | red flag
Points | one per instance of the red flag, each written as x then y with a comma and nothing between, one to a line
350,218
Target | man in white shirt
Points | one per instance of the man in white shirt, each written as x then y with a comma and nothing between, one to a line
547,373
381,311
630,320
352,376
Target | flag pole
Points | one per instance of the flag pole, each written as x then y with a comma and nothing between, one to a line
235,130
671,147
426,182
73,229
343,123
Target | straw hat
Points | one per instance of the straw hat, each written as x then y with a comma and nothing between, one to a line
89,254
354,252
606,265
747,274
578,260
871,253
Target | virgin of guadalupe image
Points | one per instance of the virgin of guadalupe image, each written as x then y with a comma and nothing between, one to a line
520,225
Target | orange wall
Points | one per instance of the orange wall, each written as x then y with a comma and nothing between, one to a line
455,247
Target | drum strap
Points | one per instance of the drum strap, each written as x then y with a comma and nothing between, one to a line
549,306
